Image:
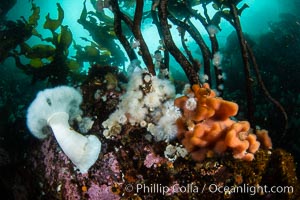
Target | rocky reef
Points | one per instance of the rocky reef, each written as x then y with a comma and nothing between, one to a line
135,164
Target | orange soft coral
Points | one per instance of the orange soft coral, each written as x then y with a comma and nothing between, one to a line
263,137
207,126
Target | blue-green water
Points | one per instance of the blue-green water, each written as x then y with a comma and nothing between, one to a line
271,28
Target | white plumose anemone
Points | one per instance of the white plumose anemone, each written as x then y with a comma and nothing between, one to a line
54,107
191,104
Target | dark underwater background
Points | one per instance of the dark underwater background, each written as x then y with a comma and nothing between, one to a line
272,28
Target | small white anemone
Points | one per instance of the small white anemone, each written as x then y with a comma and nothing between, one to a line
221,87
135,80
212,30
163,88
217,59
143,123
204,78
147,78
171,110
181,151
122,119
173,152
167,88
85,124
151,128
186,89
137,115
191,104
152,100
170,152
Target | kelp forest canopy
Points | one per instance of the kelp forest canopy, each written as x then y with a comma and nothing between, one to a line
126,27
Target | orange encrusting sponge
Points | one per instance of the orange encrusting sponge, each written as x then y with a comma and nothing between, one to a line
208,127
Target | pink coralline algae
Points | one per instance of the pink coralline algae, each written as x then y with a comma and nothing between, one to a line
103,192
152,159
60,175
108,172
57,170
113,163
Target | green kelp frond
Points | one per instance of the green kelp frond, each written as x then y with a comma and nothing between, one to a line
65,37
33,19
53,24
37,51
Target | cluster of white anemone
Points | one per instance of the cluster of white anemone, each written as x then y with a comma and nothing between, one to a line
153,110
